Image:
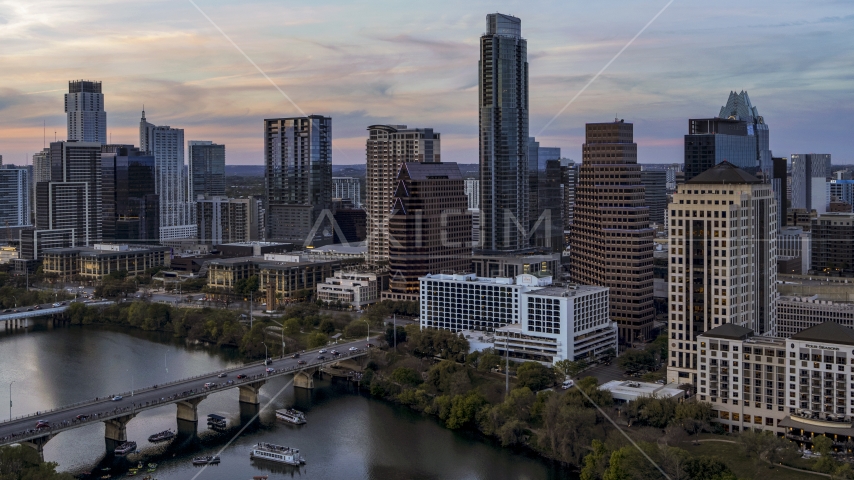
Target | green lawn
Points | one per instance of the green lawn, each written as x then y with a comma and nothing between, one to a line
747,468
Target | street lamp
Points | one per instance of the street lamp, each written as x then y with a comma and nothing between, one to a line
282,334
369,330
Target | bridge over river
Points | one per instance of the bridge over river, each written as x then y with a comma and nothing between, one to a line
186,394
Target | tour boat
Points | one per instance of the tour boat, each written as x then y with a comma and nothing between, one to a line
162,436
277,453
208,460
291,415
216,422
125,448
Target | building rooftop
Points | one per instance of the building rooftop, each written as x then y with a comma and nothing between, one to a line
429,171
629,391
568,291
729,331
724,173
354,249
827,332
254,243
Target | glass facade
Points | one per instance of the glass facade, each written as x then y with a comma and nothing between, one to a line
207,169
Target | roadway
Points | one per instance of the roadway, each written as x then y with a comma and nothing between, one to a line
103,408
31,311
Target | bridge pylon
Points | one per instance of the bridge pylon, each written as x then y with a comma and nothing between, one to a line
305,378
249,392
115,431
188,410
38,444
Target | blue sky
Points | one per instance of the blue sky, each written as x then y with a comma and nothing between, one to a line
416,64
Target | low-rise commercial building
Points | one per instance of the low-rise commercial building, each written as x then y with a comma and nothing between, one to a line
796,313
531,319
626,391
798,386
356,289
95,263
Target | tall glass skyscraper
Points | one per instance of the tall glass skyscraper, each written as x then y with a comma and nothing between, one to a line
503,103
130,204
207,168
166,144
298,178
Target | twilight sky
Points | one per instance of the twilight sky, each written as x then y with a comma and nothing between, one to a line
415,63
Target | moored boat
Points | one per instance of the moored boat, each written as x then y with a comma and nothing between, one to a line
277,453
207,460
162,436
125,448
291,415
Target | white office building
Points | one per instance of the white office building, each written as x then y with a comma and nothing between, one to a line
84,107
723,261
166,144
472,189
356,289
530,318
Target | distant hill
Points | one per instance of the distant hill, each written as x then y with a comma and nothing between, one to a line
245,170
469,170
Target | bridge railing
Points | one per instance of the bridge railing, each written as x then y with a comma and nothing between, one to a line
159,386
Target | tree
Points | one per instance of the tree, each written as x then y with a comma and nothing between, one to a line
327,327
390,334
595,462
22,463
707,468
317,339
464,409
406,376
535,376
292,326
636,360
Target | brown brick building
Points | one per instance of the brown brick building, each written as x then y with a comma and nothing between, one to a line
429,226
611,240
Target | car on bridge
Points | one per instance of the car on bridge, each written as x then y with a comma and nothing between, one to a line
117,398
321,357
42,424
270,370
321,351
301,362
222,375
354,349
82,417
241,376
296,355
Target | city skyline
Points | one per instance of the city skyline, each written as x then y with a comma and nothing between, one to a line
362,70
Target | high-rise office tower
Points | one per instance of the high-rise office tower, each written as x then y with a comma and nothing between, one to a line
15,197
569,181
429,227
298,179
131,206
71,199
473,193
228,220
738,135
388,148
778,183
655,194
347,188
832,248
166,144
503,120
723,261
611,242
810,173
84,106
545,224
207,168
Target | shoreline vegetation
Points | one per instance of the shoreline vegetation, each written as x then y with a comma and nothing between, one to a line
431,372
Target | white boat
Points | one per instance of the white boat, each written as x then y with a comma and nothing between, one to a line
291,415
277,453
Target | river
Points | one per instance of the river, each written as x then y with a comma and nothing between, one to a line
347,435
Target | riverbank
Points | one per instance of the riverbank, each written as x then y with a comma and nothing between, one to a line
347,435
